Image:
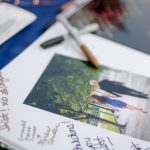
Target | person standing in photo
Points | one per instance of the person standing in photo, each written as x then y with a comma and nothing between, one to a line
113,103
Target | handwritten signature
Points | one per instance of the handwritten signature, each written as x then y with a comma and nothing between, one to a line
99,143
137,147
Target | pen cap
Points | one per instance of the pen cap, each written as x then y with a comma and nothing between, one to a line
52,42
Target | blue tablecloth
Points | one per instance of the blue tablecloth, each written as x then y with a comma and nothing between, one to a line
13,47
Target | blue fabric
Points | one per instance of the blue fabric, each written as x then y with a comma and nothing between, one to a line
114,102
13,47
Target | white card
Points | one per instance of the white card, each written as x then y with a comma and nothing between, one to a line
13,19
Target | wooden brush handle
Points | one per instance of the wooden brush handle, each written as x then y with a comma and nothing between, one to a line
90,56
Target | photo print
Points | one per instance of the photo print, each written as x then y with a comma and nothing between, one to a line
111,99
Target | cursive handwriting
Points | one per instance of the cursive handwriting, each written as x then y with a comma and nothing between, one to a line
99,143
4,111
30,133
27,132
4,121
73,135
49,136
137,147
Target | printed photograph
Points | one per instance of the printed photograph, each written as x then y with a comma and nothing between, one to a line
111,99
123,21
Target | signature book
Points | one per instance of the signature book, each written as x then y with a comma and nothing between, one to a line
59,100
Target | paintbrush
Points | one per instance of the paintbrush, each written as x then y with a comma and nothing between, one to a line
76,37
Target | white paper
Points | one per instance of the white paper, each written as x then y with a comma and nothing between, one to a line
28,126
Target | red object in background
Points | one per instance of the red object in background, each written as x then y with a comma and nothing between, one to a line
110,12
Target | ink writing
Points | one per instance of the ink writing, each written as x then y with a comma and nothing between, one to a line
138,147
99,143
73,136
30,133
49,136
4,106
27,132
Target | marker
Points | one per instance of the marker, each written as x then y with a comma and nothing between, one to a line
83,47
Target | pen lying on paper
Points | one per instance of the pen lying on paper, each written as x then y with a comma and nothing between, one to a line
59,39
74,35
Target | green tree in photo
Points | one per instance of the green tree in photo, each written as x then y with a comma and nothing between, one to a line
64,88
